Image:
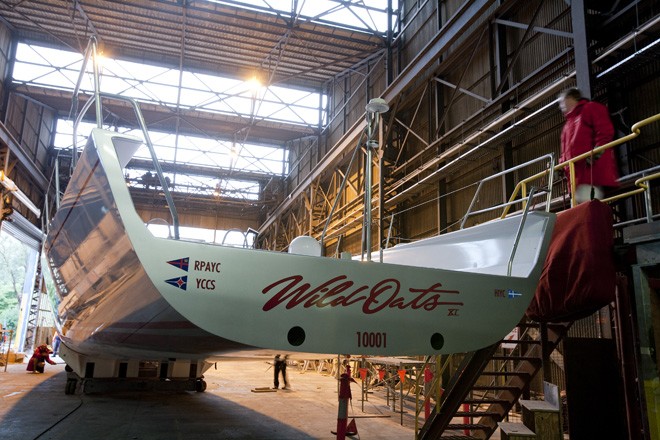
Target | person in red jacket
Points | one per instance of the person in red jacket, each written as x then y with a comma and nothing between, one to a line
588,125
39,358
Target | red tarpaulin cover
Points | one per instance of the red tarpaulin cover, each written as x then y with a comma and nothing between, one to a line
578,275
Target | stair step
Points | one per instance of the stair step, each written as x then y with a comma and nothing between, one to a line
516,430
537,325
504,373
520,341
487,401
472,426
495,387
477,414
517,358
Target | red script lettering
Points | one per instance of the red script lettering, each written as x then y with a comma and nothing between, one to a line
292,291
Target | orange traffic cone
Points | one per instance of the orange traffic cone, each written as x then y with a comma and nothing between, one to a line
351,429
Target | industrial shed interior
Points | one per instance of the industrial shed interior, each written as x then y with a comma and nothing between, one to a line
368,125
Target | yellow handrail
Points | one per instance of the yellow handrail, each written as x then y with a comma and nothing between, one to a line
641,183
521,187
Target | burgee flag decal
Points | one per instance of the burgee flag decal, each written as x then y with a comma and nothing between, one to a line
181,263
512,294
180,282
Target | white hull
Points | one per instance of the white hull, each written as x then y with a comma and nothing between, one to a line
120,297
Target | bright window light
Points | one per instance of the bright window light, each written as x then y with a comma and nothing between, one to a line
191,150
368,15
51,68
201,152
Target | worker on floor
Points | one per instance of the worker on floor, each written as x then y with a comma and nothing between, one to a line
56,343
280,366
39,358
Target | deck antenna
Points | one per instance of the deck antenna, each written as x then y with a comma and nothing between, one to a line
374,108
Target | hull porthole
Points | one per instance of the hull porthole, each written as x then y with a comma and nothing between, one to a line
296,336
437,341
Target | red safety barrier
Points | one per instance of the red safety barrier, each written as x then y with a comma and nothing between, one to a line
342,416
466,419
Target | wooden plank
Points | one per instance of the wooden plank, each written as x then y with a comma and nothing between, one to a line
538,405
515,431
542,418
263,390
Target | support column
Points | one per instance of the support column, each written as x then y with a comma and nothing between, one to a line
581,48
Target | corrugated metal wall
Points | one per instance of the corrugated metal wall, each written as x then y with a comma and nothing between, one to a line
539,46
640,92
32,125
423,19
5,48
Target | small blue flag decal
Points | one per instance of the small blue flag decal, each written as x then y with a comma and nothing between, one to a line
180,282
513,294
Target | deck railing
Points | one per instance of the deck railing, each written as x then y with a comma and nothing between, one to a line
92,53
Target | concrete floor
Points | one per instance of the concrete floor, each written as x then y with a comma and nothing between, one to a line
34,406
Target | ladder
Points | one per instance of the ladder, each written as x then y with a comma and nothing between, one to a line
34,304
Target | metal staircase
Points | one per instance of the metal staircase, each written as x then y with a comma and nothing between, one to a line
489,382
34,306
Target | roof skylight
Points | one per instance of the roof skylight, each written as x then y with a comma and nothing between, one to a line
365,15
45,67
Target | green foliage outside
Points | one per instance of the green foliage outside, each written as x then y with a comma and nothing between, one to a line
13,259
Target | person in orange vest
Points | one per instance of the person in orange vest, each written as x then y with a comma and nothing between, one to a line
39,358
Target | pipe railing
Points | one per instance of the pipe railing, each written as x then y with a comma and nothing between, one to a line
91,51
512,200
526,202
